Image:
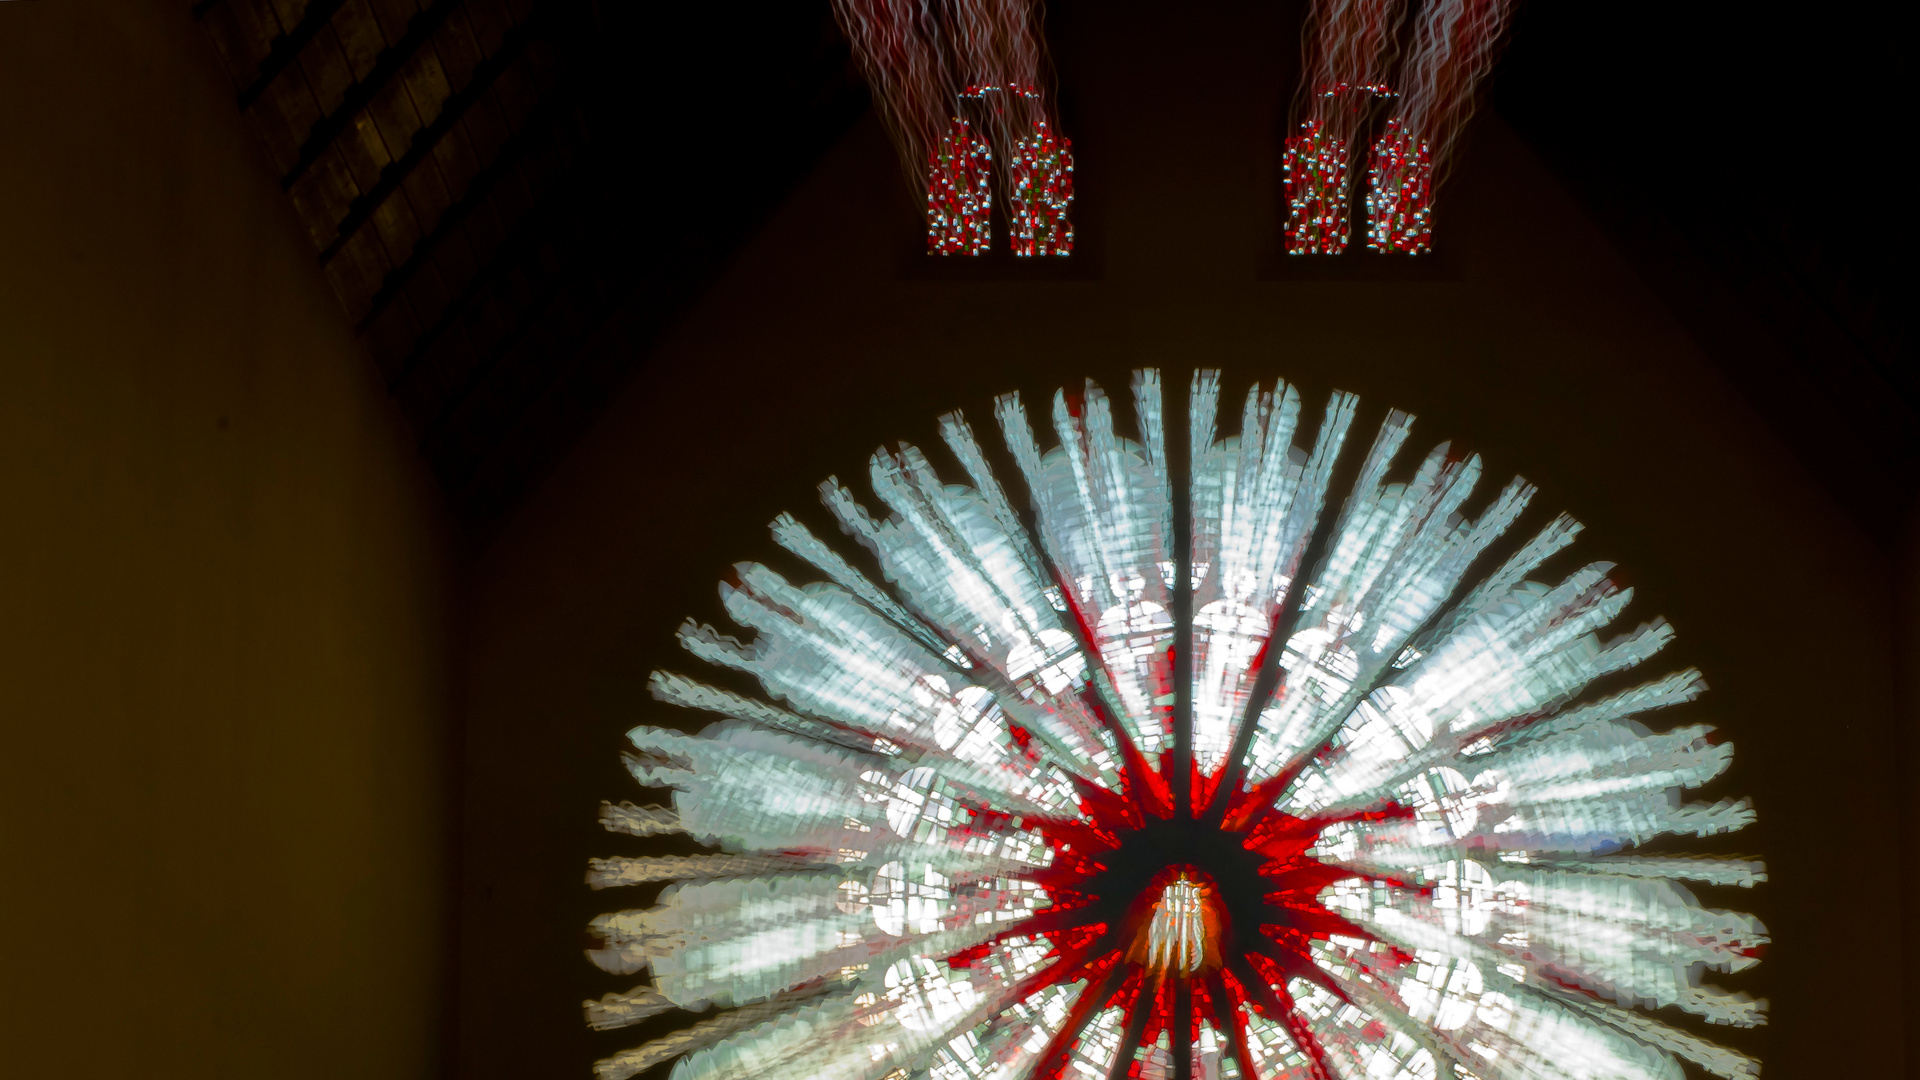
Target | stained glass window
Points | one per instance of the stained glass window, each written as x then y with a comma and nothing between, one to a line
1205,768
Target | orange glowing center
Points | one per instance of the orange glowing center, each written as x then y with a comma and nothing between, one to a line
1183,933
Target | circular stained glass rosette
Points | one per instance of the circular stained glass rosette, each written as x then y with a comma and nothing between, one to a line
1258,760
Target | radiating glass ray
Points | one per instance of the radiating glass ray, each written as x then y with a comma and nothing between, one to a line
1255,497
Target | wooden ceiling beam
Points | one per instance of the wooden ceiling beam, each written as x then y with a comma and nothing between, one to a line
420,29
424,140
285,47
512,152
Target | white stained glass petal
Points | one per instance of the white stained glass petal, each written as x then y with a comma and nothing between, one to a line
1256,497
950,551
1105,522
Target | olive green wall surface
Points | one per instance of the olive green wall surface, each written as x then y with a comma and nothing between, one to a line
225,600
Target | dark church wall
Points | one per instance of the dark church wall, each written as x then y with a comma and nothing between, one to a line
225,600
1528,339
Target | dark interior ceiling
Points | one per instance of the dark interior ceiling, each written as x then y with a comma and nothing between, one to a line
515,199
